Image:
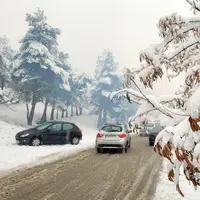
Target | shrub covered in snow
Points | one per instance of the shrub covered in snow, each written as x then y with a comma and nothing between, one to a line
8,96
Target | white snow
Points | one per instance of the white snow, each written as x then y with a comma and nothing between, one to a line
38,53
106,80
13,156
166,190
16,114
193,104
105,93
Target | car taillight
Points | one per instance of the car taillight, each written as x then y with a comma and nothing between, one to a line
99,135
123,135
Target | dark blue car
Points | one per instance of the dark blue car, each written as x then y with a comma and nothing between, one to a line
53,132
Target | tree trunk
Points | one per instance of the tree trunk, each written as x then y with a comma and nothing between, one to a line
30,114
63,113
66,113
104,116
76,110
72,110
53,110
2,79
44,115
57,114
99,123
80,110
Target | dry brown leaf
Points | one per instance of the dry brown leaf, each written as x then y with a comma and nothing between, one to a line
187,160
197,158
171,175
179,156
179,190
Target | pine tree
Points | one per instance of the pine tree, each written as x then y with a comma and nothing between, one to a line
107,80
37,72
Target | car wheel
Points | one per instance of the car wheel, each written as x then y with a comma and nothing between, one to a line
126,148
75,141
98,150
151,143
35,142
121,150
129,145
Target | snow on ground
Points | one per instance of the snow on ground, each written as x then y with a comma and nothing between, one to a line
13,156
166,190
16,114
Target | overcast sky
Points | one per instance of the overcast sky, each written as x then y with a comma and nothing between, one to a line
88,26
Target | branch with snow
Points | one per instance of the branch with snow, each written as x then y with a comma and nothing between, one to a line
178,52
149,103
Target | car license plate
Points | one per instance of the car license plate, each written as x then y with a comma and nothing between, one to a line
111,137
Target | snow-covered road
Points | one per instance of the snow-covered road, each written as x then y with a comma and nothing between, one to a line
89,176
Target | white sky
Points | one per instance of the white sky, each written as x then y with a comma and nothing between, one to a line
88,26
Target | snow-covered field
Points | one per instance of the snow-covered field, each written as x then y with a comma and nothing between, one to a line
13,156
16,114
166,190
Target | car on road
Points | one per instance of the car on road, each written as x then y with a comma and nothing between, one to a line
52,132
113,136
146,128
153,133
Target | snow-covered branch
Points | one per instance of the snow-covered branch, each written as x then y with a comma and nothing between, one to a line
178,53
194,4
149,103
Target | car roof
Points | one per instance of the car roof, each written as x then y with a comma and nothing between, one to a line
113,124
59,122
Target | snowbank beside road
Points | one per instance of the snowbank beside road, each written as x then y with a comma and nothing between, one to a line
166,190
13,155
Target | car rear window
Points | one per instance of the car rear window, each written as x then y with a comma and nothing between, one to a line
112,128
156,129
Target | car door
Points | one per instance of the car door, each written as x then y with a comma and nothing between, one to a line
53,134
67,132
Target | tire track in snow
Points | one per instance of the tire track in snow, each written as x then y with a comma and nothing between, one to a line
88,176
91,178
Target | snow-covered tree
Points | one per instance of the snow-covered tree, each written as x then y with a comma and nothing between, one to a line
177,54
61,95
37,73
7,92
83,83
107,80
6,59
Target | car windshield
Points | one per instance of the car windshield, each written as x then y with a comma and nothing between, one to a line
112,128
43,126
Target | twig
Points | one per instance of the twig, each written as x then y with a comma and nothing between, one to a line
194,4
146,112
167,114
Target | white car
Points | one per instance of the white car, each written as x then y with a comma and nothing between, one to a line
113,136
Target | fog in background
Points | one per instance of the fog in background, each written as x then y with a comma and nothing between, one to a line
88,26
